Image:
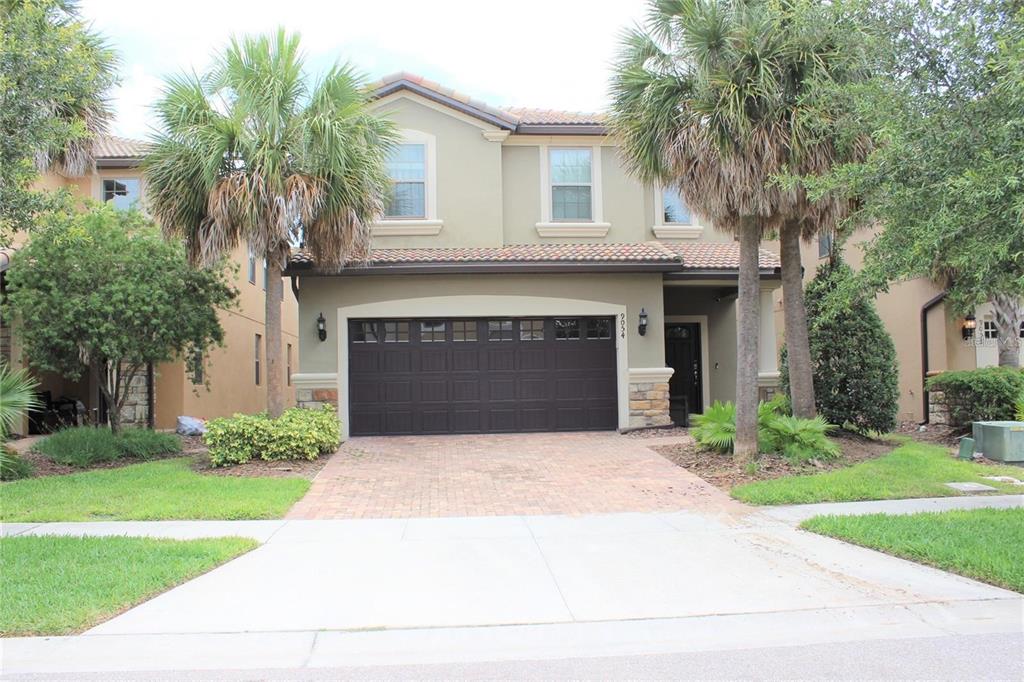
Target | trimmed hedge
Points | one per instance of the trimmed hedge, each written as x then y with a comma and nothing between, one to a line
987,394
296,434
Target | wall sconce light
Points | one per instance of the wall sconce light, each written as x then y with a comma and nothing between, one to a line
642,328
969,325
321,327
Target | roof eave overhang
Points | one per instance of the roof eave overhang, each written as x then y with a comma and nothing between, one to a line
119,162
720,273
434,96
561,129
471,268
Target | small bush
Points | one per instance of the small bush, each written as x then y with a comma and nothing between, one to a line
12,466
987,394
1020,410
296,434
146,444
798,440
84,446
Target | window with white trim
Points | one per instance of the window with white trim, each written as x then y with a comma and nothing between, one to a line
571,179
407,168
124,193
674,210
989,330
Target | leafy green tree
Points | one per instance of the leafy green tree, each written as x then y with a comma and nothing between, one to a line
54,76
854,359
255,151
709,97
946,178
103,291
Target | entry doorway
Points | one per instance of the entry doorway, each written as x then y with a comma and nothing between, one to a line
683,354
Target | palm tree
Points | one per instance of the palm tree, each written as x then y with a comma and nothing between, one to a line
253,151
706,99
17,396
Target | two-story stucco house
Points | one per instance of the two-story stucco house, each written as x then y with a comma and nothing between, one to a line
231,379
521,280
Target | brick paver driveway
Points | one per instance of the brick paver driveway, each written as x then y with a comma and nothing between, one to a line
484,475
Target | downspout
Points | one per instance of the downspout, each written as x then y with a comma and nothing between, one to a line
925,309
150,396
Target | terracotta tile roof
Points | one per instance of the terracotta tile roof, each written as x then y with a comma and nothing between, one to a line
724,256
113,147
442,90
528,116
718,256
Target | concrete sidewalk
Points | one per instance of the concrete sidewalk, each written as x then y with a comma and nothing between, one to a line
794,514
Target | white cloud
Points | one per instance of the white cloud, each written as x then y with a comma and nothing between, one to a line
552,53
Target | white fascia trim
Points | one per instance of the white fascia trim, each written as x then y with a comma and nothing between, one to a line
406,228
495,135
596,193
650,375
678,231
315,380
573,229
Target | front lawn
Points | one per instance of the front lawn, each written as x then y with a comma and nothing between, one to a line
161,490
63,585
987,544
911,470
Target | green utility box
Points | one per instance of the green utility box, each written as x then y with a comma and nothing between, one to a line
1000,441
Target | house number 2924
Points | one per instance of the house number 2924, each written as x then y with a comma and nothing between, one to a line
622,325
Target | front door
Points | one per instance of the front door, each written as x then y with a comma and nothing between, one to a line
682,353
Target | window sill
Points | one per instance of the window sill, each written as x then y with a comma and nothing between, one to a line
406,228
573,229
678,231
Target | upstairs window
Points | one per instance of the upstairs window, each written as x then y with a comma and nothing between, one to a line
407,168
571,184
674,210
824,244
124,193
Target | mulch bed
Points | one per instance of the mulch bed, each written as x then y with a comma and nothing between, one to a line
723,471
664,432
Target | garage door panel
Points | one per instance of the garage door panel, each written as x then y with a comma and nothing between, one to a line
479,376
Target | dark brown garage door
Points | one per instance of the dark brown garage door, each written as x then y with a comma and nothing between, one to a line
482,375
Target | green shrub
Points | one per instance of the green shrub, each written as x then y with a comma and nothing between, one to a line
987,394
798,440
147,444
296,434
84,446
1020,410
12,466
853,357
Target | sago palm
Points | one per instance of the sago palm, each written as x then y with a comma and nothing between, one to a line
253,150
704,100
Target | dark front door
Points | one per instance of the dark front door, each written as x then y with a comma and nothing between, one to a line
682,353
411,376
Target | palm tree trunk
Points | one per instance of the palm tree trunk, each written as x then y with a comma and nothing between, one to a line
798,348
1008,315
275,393
748,328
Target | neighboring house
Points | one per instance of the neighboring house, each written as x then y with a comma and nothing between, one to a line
929,336
522,280
235,373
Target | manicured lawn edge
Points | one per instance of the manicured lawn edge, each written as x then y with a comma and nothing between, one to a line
984,544
912,470
60,585
152,491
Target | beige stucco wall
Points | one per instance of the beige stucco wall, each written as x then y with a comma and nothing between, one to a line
468,176
327,294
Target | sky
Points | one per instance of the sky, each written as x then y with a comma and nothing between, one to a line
538,53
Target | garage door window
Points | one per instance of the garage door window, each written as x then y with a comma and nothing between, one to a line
531,330
396,332
567,330
599,329
499,330
364,332
463,330
432,331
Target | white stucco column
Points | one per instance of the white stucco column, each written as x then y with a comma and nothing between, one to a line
768,358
